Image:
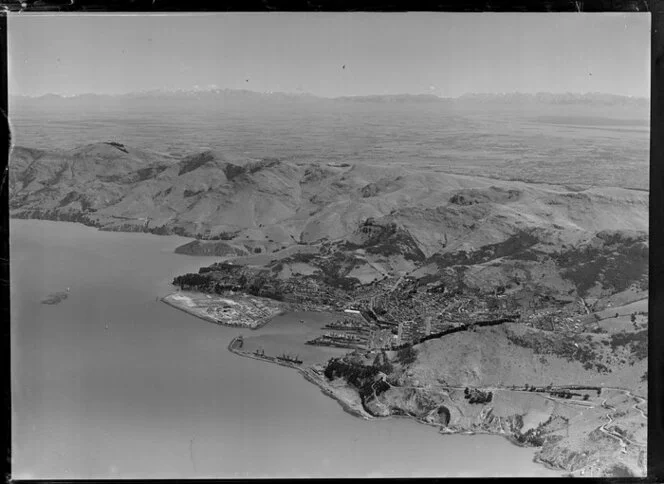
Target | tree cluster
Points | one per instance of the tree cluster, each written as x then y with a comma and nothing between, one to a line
407,355
355,374
532,437
191,281
382,363
477,396
360,376
562,394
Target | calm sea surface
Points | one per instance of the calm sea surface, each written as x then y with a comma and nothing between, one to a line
112,383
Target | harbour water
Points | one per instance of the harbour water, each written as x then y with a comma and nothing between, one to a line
111,383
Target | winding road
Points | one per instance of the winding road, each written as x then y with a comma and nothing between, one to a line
622,439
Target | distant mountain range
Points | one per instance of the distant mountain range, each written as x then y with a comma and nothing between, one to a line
246,96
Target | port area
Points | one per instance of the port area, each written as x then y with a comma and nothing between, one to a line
289,333
237,310
349,399
362,332
519,414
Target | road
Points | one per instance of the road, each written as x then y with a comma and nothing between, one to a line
635,406
604,428
623,440
398,282
576,403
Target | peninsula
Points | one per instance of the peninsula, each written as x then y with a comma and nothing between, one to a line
539,335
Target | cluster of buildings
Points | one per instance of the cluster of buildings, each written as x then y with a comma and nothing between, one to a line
309,294
246,311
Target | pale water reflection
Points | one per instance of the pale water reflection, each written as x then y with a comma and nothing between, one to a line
112,383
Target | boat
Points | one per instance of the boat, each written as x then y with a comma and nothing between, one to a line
290,359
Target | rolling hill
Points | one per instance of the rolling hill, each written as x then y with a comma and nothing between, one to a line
425,255
270,203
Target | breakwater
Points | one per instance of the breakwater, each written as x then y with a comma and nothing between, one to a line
309,374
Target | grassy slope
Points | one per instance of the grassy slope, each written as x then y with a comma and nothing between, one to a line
206,192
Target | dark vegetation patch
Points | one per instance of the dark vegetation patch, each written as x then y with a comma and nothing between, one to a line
386,239
355,374
637,342
220,278
178,230
262,164
72,197
576,196
474,196
362,377
385,185
533,437
344,283
315,174
300,257
143,174
194,162
572,348
191,193
476,396
513,247
117,145
225,235
369,190
193,280
197,247
220,236
233,171
617,265
334,269
407,355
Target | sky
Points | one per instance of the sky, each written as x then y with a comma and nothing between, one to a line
331,54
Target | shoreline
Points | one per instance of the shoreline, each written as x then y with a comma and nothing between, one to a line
312,377
308,375
348,399
352,407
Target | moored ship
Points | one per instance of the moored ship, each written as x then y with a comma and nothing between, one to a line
290,358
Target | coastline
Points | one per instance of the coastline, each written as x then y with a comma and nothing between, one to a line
312,377
351,405
308,375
